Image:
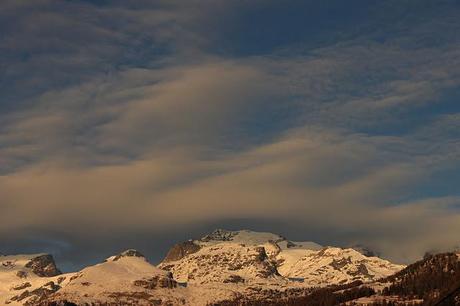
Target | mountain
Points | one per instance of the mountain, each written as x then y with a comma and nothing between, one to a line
124,278
248,256
433,281
223,267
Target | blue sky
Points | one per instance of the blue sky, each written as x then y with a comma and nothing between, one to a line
332,121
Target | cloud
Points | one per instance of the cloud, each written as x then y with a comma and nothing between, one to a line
295,179
142,118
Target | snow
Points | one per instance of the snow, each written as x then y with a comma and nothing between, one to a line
243,236
307,261
110,277
9,267
220,262
228,264
334,266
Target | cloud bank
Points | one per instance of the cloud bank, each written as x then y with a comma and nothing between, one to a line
141,119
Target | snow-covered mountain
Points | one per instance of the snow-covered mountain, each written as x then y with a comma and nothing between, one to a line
221,266
249,257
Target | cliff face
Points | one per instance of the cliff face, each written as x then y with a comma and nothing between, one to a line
43,266
181,250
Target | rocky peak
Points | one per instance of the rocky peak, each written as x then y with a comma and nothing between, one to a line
43,266
220,235
127,253
180,250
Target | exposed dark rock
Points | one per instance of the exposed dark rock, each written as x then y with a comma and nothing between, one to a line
129,253
74,277
362,271
338,264
219,235
156,282
22,274
262,255
37,295
291,244
8,264
22,286
181,250
234,279
43,266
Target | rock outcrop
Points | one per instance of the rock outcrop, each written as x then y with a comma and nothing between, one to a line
43,266
181,250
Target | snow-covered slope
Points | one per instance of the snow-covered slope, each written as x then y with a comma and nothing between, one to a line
125,278
248,237
22,275
333,266
224,263
234,254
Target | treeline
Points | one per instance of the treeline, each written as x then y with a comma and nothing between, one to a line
435,279
319,297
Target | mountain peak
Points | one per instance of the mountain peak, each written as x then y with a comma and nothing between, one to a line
126,253
241,236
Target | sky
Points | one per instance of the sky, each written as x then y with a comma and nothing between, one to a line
144,123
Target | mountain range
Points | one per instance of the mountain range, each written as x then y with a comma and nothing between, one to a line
235,268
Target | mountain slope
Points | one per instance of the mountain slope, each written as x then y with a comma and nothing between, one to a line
224,263
236,254
335,266
124,278
20,275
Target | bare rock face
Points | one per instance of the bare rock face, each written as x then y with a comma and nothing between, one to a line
43,266
157,282
22,286
181,250
234,279
37,295
219,235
